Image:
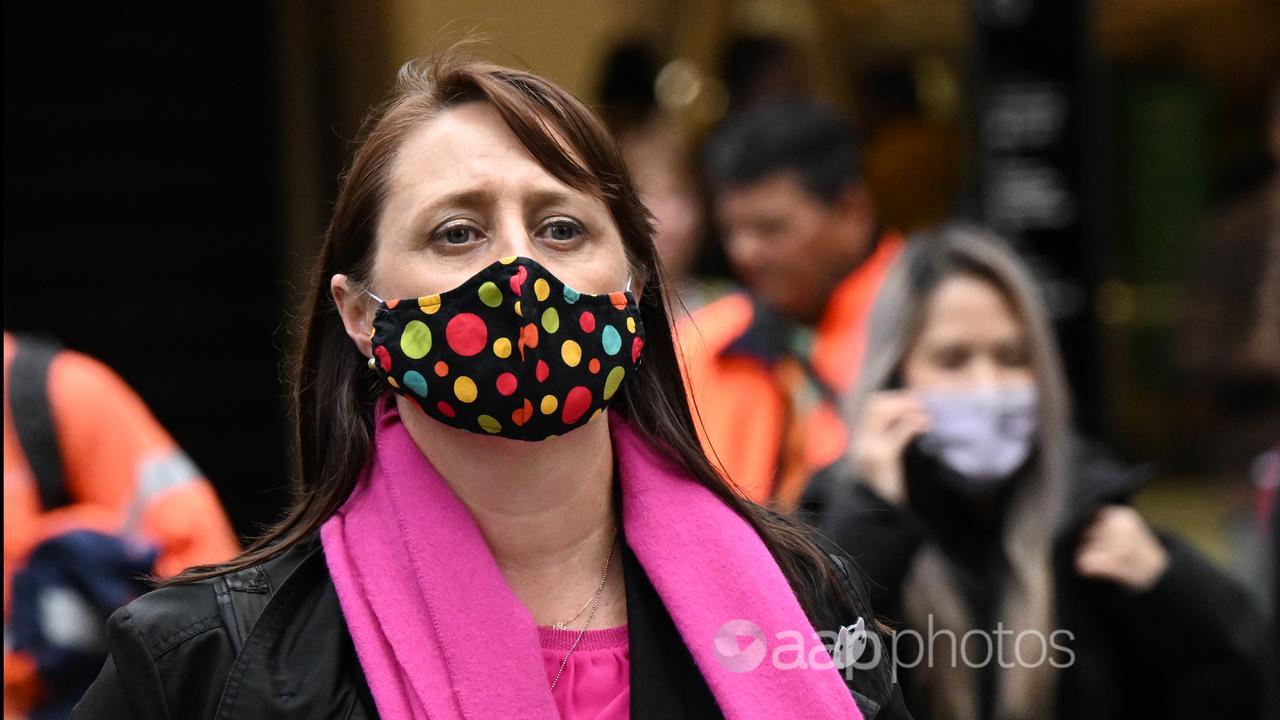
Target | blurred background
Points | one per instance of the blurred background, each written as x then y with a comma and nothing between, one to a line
169,172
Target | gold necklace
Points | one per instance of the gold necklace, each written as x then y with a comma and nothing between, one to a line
595,604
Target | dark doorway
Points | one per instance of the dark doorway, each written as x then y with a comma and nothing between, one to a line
141,219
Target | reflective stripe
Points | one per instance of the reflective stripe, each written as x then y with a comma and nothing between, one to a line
155,476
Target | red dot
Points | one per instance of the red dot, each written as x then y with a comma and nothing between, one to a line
594,366
467,334
446,409
577,402
518,279
506,383
587,321
636,346
522,415
542,371
393,302
619,300
442,368
384,358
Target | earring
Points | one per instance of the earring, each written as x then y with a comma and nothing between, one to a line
372,364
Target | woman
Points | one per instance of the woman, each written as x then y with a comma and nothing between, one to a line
475,535
1004,545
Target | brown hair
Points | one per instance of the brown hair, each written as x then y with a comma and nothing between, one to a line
335,393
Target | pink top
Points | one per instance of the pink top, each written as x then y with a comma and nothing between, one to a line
596,683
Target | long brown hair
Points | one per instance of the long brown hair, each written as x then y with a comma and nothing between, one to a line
334,391
1036,508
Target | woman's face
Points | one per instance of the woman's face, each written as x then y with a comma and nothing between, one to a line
463,193
971,338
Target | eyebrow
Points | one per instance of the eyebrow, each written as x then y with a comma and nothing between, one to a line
481,197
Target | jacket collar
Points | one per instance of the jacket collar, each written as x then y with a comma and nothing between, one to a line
275,673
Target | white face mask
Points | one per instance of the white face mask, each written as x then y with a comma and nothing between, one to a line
984,435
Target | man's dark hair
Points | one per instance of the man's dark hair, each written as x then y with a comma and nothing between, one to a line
794,134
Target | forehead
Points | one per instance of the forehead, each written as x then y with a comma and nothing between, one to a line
968,305
781,192
465,146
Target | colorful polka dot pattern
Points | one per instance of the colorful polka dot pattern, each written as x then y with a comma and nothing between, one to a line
512,352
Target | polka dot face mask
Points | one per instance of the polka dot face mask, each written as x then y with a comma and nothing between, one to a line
512,352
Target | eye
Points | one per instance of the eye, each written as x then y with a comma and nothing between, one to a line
563,230
1013,355
952,357
457,234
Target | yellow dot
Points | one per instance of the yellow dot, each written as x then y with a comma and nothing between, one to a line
489,424
393,382
550,320
502,347
549,404
541,289
430,304
571,353
631,325
518,312
507,260
465,388
594,415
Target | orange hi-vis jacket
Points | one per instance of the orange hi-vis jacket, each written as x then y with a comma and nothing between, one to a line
124,475
766,415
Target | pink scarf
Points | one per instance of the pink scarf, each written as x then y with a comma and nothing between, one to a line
440,635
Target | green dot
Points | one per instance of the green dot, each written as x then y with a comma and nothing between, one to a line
489,424
612,382
490,295
416,340
550,320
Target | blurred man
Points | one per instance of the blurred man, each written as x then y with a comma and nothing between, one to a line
661,167
800,232
96,497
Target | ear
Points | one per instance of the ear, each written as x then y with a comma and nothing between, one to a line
639,280
854,205
356,310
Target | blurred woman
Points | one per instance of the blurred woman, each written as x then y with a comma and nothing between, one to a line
660,163
1027,585
477,534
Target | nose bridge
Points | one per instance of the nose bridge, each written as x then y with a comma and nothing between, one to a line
745,247
510,233
984,371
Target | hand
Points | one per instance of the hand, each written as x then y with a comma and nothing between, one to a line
1120,547
890,420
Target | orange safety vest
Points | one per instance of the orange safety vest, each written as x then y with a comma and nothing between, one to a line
123,473
758,417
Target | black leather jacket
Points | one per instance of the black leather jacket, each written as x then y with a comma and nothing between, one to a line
271,642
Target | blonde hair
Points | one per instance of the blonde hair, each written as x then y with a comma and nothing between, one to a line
1036,506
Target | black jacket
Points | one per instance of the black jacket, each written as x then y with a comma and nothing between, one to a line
1190,647
177,653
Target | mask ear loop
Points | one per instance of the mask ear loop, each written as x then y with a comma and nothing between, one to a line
373,361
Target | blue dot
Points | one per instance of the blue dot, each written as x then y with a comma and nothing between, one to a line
570,295
611,340
415,382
